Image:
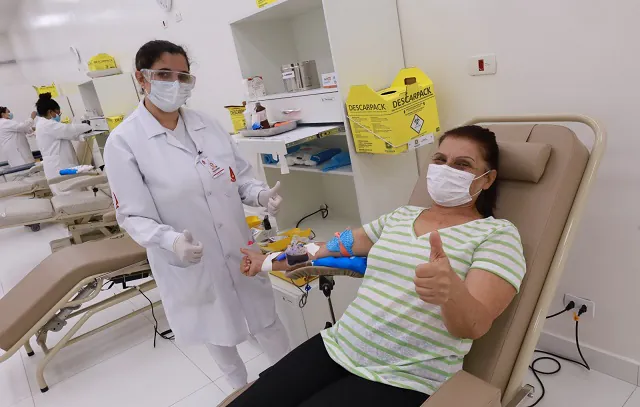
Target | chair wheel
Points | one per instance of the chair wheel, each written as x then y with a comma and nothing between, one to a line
35,228
46,389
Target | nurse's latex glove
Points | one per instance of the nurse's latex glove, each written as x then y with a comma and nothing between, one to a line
270,199
433,280
187,249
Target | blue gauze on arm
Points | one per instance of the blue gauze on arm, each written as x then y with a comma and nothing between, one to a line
346,238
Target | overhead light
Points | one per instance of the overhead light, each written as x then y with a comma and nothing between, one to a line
50,20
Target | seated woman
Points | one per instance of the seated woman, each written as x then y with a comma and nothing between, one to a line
436,280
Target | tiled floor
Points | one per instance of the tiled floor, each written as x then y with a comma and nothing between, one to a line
120,367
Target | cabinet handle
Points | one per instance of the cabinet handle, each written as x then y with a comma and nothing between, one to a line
328,99
289,111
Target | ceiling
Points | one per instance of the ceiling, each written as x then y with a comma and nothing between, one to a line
9,11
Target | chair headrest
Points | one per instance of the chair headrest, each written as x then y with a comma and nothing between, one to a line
522,161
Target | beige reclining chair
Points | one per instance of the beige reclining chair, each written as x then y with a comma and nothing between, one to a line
80,210
32,182
545,174
57,288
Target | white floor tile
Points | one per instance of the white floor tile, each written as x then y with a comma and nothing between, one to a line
208,396
575,386
25,403
254,368
88,352
14,386
141,377
634,400
21,250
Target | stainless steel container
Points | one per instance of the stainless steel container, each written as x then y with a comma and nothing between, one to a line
309,74
292,77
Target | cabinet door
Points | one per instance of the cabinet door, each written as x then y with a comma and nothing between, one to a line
117,94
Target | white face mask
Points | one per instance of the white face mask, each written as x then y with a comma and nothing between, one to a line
450,187
169,96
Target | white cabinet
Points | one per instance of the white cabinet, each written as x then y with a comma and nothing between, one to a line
110,95
360,41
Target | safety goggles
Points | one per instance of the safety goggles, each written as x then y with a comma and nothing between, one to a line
168,76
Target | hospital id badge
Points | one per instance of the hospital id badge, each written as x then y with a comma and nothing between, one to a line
213,169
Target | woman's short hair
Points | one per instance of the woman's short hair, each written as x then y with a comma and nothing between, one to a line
486,140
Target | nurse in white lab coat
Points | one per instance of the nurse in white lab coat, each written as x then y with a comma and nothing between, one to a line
54,138
178,186
14,146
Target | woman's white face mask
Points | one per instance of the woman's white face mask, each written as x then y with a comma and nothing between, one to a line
169,96
450,187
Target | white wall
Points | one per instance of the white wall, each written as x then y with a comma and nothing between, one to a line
554,56
45,31
15,93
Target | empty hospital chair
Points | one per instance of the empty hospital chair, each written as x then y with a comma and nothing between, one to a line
29,182
81,207
545,174
59,289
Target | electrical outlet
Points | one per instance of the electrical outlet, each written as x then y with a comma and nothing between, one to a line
579,301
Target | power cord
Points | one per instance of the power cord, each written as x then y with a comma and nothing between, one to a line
552,356
324,211
168,334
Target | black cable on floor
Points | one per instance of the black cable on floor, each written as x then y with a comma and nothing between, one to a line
163,335
324,211
552,357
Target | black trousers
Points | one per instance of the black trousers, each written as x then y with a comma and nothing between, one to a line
308,377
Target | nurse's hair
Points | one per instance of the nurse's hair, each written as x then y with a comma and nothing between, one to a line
45,103
150,52
486,140
3,110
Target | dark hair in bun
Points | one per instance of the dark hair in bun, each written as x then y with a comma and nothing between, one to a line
46,103
3,109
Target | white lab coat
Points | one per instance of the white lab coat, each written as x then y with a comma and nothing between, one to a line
54,141
159,191
14,146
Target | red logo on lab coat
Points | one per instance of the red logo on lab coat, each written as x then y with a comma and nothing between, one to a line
115,198
233,176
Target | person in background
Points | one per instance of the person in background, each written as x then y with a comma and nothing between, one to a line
179,185
14,146
54,138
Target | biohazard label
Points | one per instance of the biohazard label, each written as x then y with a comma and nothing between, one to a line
417,123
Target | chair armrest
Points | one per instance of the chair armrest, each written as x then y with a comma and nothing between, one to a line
39,167
62,178
82,182
464,389
307,270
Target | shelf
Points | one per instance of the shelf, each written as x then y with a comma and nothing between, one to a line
288,95
280,10
278,145
348,171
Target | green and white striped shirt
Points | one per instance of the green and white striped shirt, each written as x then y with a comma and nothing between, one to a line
388,334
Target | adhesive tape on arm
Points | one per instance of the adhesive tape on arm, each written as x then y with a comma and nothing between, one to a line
267,265
312,248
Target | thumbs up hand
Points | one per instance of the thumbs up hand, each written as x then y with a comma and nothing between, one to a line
433,280
270,199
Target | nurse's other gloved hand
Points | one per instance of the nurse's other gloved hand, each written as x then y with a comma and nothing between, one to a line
33,115
270,199
187,249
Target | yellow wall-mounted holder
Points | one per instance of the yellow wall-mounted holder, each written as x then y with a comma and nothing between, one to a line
394,120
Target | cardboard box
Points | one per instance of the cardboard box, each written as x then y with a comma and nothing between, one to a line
403,116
